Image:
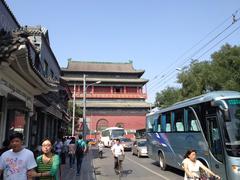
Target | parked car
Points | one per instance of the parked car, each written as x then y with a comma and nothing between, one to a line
127,143
140,148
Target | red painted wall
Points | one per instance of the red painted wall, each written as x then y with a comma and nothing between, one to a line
130,122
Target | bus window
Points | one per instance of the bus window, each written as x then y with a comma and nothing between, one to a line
105,133
168,122
179,126
179,120
159,127
192,121
150,123
214,138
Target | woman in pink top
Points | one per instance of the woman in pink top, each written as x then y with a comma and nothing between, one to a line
71,152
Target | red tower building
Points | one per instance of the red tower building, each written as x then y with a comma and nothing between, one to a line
119,100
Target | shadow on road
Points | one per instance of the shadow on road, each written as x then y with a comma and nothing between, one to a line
125,173
171,169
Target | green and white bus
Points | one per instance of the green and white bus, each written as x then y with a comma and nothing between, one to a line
209,123
108,134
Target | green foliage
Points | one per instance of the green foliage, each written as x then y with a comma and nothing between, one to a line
78,110
168,97
222,73
226,65
197,79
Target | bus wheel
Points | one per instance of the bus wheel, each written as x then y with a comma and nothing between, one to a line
162,162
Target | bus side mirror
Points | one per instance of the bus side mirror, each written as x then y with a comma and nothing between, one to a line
223,106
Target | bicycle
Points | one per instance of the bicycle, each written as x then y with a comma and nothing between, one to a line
100,154
120,169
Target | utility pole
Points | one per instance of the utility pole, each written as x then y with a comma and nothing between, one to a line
84,103
84,106
73,115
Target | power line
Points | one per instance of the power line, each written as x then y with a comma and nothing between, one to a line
151,82
199,50
169,77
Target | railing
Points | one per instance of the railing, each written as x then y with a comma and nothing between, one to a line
114,96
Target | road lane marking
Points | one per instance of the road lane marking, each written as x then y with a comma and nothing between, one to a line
147,168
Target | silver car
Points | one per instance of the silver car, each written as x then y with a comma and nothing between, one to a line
139,148
126,143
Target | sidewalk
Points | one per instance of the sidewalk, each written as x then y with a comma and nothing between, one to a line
87,169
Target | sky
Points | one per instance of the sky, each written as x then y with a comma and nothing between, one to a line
160,37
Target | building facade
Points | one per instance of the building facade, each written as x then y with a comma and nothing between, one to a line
118,100
33,98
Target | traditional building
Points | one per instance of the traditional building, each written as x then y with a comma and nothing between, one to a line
119,98
33,98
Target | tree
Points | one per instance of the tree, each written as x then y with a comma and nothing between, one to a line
78,110
226,67
222,73
197,79
168,97
78,114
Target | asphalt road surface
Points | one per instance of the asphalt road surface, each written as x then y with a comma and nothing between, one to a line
133,168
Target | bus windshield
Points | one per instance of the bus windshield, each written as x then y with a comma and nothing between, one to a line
117,133
232,130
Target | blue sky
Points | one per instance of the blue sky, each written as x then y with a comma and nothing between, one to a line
154,34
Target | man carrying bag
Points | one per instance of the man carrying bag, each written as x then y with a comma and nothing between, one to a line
81,148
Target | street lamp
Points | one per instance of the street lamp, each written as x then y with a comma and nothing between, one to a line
73,115
84,103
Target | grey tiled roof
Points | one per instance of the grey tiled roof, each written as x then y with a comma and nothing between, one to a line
10,41
85,66
16,46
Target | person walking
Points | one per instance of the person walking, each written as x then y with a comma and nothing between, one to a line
81,149
192,166
16,162
71,152
117,150
58,146
100,149
5,146
48,164
64,151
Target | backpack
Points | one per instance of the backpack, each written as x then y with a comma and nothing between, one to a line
80,148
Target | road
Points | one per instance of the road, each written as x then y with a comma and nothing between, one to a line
133,168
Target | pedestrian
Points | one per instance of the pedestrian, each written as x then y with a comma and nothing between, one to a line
100,149
17,161
47,164
117,150
5,146
58,145
71,152
192,166
64,151
81,149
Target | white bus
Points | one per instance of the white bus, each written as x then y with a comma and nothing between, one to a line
110,133
209,123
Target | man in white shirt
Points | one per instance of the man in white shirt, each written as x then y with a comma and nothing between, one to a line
16,162
117,150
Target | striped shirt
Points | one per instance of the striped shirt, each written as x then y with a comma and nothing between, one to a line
52,166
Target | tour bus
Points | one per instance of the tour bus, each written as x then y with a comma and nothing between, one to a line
209,123
110,133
